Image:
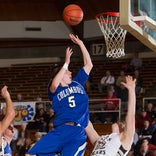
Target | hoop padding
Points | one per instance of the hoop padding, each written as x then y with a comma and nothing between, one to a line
113,33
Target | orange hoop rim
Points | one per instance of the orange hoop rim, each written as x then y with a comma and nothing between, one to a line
113,14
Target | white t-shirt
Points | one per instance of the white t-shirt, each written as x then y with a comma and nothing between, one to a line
109,145
107,80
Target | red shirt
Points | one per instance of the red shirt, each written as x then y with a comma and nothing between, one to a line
110,103
140,121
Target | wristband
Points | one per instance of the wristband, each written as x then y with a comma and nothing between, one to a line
65,66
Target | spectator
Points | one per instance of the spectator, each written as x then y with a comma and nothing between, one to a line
112,87
145,149
141,118
25,147
22,135
50,120
136,63
105,81
145,131
123,95
150,111
41,120
38,98
110,102
38,136
120,78
19,97
39,103
139,88
50,126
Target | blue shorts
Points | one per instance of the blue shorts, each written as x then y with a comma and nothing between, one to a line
67,140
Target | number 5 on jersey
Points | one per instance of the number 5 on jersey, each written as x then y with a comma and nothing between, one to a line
71,101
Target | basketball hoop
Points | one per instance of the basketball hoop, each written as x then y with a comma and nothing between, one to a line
113,33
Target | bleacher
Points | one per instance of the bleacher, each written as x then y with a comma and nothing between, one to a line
29,80
32,79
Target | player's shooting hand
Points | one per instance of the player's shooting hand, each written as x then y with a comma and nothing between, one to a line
130,83
69,52
4,92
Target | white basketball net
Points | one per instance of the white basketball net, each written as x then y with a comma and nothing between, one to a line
113,33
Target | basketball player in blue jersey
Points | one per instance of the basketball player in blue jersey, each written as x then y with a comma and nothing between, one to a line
118,143
70,104
7,119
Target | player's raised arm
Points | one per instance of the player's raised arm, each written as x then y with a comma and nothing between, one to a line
59,76
128,133
93,136
86,57
10,111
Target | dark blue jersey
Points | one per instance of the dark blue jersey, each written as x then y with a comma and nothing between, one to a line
70,103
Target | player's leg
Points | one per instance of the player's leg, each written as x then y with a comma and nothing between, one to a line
76,143
74,149
48,144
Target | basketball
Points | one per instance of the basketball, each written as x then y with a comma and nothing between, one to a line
72,14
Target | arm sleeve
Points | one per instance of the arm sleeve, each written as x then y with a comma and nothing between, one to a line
81,77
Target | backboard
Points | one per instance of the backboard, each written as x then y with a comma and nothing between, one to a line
138,17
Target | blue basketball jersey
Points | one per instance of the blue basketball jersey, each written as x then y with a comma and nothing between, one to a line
70,103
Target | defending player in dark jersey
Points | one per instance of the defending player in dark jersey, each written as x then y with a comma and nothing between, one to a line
70,104
118,143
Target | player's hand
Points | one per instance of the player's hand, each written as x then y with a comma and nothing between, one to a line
69,52
4,92
75,39
130,83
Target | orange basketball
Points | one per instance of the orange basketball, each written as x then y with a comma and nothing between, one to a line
72,14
